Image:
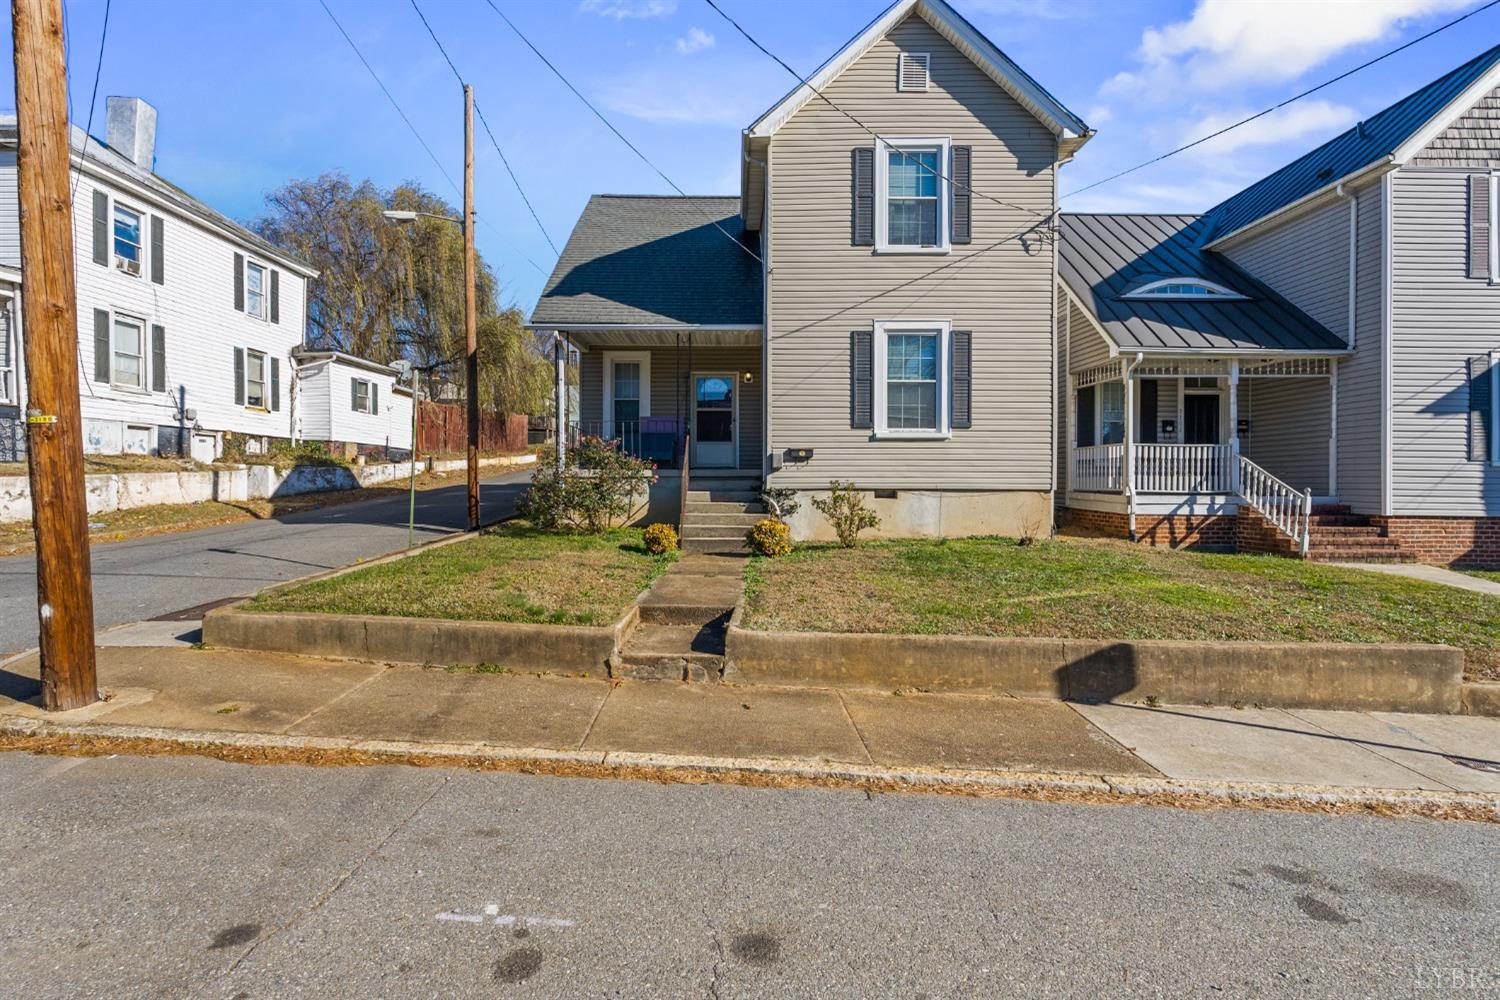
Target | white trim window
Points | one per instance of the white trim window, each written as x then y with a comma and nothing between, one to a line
129,249
8,349
360,399
255,380
912,195
1110,413
1187,289
255,289
627,391
912,378
127,353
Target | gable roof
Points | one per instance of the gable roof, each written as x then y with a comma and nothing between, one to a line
93,151
1104,257
1389,136
657,261
964,36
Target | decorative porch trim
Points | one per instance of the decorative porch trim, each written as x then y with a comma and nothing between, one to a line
1108,372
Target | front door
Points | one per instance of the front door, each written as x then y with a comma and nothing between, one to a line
714,421
1200,415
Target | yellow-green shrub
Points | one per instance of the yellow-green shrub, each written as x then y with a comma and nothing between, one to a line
769,537
660,539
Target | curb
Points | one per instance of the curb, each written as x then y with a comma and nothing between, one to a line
41,736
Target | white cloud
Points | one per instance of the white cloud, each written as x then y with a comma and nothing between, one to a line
1098,115
1306,118
1049,10
696,40
622,9
1226,43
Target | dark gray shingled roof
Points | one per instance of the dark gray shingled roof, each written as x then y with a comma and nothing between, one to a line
1105,256
648,259
1371,140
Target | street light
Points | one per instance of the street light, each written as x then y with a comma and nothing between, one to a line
403,216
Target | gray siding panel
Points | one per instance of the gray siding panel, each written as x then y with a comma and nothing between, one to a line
1289,429
1307,261
823,288
10,212
1361,447
1440,317
1087,347
1473,141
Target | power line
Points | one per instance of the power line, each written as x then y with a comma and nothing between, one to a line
905,155
618,134
493,141
1289,100
93,98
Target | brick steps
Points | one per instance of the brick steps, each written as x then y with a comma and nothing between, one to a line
1335,534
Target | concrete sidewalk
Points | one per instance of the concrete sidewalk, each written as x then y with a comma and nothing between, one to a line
176,692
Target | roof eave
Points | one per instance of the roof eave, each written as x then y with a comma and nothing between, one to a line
1448,114
1383,165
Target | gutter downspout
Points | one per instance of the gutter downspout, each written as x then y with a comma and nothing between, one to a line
1127,370
1350,328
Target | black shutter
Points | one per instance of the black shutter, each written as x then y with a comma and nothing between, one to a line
239,282
1149,387
1085,418
239,376
354,394
158,261
1479,226
963,195
275,296
275,384
101,345
101,228
962,362
158,358
862,379
863,190
1481,409
374,397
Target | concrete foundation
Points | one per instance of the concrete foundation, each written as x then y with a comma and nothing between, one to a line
939,514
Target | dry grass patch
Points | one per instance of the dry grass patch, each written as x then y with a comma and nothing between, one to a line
1100,589
511,573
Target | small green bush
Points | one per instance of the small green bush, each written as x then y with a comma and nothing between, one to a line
845,509
594,489
660,539
769,537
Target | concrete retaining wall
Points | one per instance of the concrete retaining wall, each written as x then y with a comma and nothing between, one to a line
1405,678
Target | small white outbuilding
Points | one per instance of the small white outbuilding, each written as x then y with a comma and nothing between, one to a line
343,400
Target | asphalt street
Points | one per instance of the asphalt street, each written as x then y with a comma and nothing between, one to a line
128,877
160,574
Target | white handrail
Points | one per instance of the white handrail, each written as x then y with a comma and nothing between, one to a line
1098,468
1289,509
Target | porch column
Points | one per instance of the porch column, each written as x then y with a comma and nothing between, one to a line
1234,425
560,400
1070,428
1333,428
1125,371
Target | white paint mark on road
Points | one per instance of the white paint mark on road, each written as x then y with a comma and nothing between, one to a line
492,913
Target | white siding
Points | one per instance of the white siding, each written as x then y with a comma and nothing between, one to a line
1000,287
1307,261
1361,434
313,419
389,426
1440,318
10,211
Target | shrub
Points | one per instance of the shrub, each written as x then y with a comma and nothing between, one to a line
660,539
845,509
594,488
780,501
769,537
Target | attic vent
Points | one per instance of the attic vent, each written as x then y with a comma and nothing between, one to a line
911,71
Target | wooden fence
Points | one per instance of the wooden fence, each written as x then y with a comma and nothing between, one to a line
441,427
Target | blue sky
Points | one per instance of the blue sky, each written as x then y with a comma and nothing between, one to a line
252,93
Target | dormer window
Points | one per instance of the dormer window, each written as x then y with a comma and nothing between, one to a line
1186,289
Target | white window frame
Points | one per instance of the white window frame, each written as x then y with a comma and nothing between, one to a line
9,391
265,287
1217,292
121,264
115,319
368,393
944,330
643,358
265,380
884,146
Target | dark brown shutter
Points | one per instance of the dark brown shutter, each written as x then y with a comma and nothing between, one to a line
962,361
239,282
1479,226
1149,387
863,189
1481,409
101,345
275,296
239,376
963,194
862,379
101,228
275,384
158,261
354,394
374,397
1085,417
158,358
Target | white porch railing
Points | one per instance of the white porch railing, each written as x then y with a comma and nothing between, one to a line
1288,508
1099,468
1184,468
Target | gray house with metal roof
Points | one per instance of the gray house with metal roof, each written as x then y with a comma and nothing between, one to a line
896,301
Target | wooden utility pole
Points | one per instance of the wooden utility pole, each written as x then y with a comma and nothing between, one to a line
471,308
65,600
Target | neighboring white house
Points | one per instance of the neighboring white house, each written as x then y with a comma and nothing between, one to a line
341,399
186,319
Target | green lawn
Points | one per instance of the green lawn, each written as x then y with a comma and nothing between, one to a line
511,573
1101,589
1485,574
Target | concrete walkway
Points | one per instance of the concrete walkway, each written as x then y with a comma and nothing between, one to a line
1431,574
184,693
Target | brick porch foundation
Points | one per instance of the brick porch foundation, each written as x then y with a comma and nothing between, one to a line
1472,542
1219,532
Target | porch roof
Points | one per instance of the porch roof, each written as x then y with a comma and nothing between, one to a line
1104,257
655,262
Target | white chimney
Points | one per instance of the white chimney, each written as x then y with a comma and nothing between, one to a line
131,130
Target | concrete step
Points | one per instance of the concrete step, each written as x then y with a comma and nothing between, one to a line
723,496
696,519
674,640
699,481
681,599
710,565
714,531
715,546
723,507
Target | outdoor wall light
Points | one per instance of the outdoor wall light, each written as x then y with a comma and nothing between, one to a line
748,377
